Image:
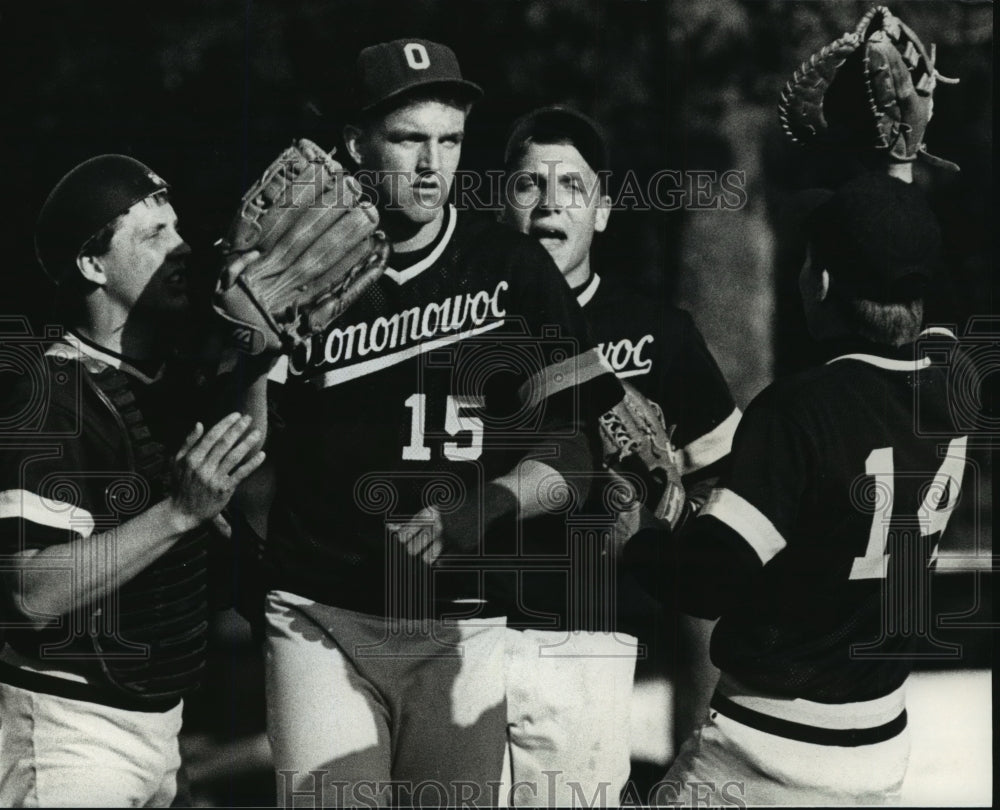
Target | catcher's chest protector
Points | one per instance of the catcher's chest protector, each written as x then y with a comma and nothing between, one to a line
154,646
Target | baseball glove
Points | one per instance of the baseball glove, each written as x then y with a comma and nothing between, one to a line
319,251
637,441
873,88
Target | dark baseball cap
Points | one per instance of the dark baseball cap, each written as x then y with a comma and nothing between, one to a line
875,234
554,124
389,70
84,201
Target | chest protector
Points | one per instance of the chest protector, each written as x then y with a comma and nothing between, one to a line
154,646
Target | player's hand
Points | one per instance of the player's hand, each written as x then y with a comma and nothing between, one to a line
210,465
422,535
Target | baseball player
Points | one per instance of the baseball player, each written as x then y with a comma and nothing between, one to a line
104,507
422,431
556,162
816,548
555,157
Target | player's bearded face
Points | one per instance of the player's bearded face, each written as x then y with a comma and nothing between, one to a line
555,196
414,153
146,264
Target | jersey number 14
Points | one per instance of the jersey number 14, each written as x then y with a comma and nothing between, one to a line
932,516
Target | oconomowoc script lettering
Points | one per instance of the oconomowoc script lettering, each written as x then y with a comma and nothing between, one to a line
385,341
625,357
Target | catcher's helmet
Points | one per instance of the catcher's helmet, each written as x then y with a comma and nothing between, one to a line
84,201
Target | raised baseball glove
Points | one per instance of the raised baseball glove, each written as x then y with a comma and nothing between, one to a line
637,442
873,88
319,251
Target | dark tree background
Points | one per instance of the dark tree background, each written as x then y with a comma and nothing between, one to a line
208,91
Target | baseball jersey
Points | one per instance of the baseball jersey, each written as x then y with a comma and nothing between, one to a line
462,359
84,450
818,543
658,349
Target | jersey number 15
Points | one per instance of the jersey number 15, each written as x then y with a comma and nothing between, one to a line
456,421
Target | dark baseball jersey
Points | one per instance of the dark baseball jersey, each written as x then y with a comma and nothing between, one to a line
817,544
659,350
462,359
84,449
656,348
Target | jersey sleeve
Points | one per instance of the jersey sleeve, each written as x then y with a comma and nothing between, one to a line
749,516
698,399
570,385
572,374
40,505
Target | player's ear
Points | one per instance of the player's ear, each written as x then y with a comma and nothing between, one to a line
603,213
352,140
91,269
822,285
814,282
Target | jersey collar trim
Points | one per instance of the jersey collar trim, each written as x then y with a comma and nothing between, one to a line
898,363
589,289
938,331
414,270
885,362
73,347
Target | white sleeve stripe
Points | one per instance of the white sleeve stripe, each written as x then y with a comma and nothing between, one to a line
712,446
279,371
558,377
20,503
746,520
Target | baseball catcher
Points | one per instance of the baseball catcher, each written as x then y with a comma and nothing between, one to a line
319,250
870,89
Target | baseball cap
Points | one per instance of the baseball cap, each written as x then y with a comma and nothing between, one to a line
390,69
86,199
557,123
876,234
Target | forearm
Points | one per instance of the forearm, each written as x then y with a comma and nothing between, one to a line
254,496
540,485
696,675
253,398
58,579
535,486
242,387
530,490
716,569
